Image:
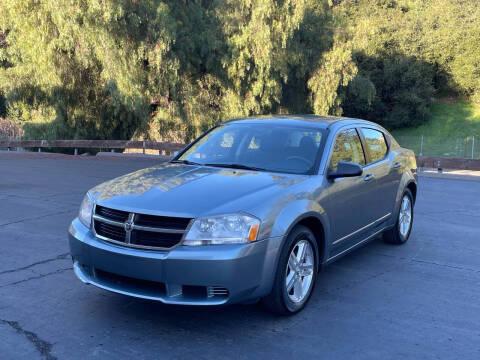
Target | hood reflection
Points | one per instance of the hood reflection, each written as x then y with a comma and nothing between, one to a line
166,177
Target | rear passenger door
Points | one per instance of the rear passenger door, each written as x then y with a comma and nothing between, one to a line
380,174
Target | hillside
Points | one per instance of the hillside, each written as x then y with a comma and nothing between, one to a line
447,132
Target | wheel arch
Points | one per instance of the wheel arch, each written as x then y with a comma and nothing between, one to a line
316,224
412,186
407,182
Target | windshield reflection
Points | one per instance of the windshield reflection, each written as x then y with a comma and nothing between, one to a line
258,146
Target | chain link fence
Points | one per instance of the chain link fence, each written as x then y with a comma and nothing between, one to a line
468,147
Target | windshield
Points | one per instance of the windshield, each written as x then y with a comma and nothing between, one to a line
261,146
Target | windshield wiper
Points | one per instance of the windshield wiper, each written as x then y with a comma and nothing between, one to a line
236,166
186,162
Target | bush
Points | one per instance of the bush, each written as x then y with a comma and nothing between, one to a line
393,90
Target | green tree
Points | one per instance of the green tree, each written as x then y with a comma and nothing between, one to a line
80,69
408,50
166,69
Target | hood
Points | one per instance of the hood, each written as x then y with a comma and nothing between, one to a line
190,191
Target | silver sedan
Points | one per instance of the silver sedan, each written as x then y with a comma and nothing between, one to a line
250,210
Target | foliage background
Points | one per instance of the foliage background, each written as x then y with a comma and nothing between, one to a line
168,70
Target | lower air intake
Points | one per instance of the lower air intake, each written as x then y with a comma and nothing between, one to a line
217,291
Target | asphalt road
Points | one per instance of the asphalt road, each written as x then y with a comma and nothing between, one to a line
417,301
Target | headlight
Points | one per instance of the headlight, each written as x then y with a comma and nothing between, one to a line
86,209
224,229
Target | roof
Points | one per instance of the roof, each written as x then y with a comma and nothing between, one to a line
316,120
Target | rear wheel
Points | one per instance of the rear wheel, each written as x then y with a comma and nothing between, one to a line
296,273
400,233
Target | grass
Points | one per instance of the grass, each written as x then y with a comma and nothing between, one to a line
448,131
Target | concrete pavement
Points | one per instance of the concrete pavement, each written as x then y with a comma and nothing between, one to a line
420,300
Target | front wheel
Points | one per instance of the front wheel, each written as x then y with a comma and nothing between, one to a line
400,233
296,273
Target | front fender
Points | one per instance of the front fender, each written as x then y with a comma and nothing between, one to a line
294,213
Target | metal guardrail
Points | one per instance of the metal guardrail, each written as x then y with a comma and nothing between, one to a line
166,147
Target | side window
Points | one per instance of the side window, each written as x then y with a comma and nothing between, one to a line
347,148
376,144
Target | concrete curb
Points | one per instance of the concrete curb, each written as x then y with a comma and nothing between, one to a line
468,175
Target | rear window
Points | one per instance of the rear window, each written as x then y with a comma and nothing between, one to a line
376,144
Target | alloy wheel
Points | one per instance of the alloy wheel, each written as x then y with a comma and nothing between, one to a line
405,216
299,271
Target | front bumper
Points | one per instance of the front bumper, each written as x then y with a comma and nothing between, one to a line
188,275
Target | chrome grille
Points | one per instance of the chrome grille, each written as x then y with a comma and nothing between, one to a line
112,232
147,238
139,230
111,214
162,221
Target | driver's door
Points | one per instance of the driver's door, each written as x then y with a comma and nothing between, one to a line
348,198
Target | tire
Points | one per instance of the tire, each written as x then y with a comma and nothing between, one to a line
399,234
287,302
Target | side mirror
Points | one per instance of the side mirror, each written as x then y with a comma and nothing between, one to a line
345,169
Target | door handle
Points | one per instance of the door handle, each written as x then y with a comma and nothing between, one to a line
368,177
396,165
